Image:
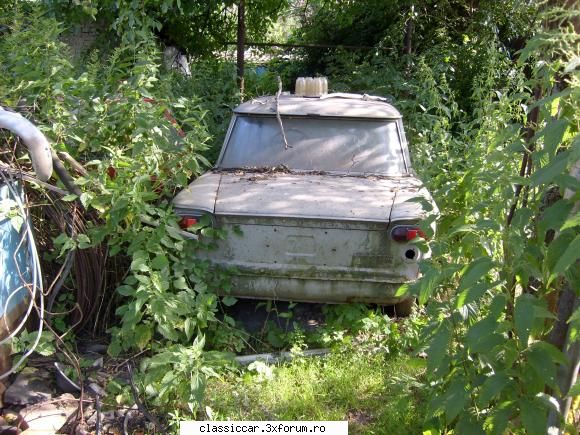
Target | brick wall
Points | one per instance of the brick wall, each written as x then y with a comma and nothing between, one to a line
82,37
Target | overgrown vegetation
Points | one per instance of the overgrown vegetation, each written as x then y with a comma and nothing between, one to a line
490,97
196,27
118,117
376,393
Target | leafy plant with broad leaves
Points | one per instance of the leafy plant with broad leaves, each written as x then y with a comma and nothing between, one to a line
140,143
178,374
491,284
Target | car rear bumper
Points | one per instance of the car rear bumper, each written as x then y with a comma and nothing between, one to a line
314,290
308,284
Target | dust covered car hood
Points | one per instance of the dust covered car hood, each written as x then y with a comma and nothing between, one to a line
300,195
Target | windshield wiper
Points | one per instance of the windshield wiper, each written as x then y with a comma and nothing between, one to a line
278,117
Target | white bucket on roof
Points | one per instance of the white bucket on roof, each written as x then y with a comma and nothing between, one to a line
311,86
300,88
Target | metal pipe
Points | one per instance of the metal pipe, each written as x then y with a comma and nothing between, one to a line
37,144
273,358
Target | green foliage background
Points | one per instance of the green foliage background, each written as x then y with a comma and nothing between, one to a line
195,27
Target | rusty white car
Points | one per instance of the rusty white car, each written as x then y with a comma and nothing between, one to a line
320,188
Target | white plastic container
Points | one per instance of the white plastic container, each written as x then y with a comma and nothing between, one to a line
324,81
300,89
311,87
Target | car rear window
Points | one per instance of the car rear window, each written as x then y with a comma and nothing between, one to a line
316,144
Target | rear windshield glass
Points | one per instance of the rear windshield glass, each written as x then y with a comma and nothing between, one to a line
316,144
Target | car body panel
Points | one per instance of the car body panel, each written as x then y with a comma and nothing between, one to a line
199,195
315,290
412,201
331,105
348,261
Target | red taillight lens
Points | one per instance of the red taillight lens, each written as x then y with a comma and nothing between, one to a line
187,221
406,233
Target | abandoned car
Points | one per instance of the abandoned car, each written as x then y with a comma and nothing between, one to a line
321,188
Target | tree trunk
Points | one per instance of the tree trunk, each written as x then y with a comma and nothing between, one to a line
409,28
241,45
525,168
560,337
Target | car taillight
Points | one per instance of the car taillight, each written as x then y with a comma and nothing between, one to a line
188,221
406,233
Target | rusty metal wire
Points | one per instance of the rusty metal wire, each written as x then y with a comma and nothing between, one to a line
82,271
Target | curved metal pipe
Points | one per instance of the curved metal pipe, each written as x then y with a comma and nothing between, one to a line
37,144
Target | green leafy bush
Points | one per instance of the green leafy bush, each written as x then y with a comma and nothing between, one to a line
140,142
492,276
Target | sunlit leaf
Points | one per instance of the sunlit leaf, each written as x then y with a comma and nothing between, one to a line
474,271
548,173
456,397
575,390
555,216
160,262
472,294
228,301
534,417
569,256
492,387
438,347
553,134
524,317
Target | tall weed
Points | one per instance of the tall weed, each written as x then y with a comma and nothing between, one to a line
491,279
122,116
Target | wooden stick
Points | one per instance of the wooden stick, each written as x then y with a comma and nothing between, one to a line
271,358
27,176
74,163
346,47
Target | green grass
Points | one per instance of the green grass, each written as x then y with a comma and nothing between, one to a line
376,393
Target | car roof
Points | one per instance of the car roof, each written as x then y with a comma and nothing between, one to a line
332,105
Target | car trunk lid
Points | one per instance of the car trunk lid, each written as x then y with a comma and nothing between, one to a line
306,196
